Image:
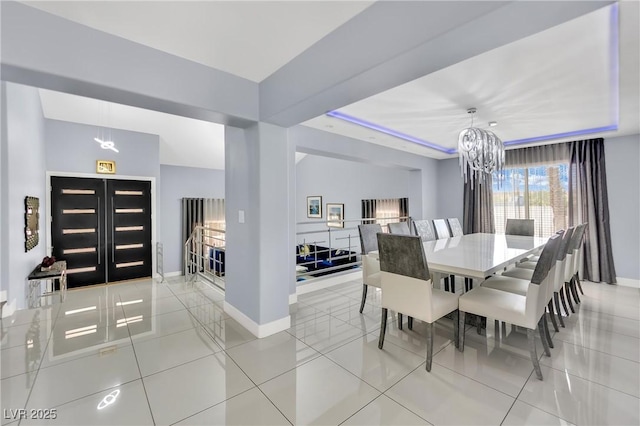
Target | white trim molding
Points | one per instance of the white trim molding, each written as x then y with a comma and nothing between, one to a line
628,282
258,330
320,283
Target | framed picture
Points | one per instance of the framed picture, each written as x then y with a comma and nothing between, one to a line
335,215
314,207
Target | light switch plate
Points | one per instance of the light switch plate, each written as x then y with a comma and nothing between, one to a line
240,216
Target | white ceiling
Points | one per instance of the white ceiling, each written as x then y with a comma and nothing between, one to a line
555,81
183,141
250,39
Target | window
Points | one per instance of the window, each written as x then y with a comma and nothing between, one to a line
538,193
385,211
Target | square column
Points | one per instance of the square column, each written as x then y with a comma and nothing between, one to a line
260,227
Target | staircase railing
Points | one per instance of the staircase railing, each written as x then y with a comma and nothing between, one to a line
322,250
204,255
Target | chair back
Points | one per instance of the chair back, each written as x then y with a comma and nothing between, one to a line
540,289
405,278
401,228
403,255
547,258
523,227
578,234
455,227
424,229
561,262
442,230
369,237
575,250
564,245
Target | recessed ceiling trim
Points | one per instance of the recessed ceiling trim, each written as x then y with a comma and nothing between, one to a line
388,131
562,135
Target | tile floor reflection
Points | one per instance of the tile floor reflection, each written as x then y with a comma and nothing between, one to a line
166,353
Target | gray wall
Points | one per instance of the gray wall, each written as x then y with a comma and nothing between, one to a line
23,174
623,183
423,179
347,182
71,148
450,190
177,183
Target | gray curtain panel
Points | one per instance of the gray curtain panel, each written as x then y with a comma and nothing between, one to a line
588,202
478,206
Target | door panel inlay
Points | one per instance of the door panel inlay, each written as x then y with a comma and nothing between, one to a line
80,270
78,191
129,264
79,231
129,246
129,193
78,211
129,210
79,250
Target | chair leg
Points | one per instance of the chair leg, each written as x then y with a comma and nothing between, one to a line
461,318
383,327
478,324
399,321
556,299
564,303
410,322
446,284
429,345
552,316
578,281
568,297
456,328
546,330
364,296
531,338
574,291
453,283
543,337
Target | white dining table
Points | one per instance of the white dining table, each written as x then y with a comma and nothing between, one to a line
478,256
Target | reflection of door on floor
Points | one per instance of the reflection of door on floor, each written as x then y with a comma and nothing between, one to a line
102,228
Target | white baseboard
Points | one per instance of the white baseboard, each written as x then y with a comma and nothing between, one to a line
172,274
293,298
628,282
320,283
258,330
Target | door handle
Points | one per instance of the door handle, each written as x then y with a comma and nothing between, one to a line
98,214
113,227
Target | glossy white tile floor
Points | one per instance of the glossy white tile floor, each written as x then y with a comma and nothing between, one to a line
165,353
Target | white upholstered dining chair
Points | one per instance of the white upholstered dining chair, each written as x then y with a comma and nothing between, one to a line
370,264
525,311
407,287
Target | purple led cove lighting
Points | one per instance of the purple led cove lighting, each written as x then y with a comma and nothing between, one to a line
561,135
614,81
390,132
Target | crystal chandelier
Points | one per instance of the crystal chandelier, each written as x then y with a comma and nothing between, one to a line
481,152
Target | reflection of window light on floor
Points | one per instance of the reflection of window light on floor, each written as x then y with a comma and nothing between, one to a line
77,332
77,311
129,302
124,321
30,344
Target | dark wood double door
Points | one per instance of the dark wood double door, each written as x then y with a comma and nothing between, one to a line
102,228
